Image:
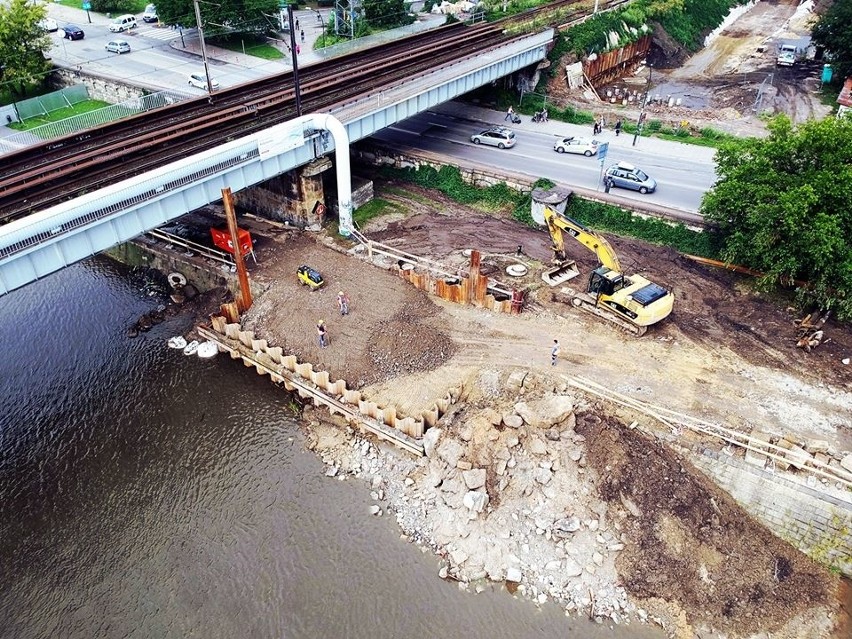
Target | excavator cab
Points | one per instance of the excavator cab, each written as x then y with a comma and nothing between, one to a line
605,281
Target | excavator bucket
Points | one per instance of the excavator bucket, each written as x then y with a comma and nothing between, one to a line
562,273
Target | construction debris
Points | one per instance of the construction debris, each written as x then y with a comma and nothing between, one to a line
810,333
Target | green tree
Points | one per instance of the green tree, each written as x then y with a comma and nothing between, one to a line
23,45
386,14
784,207
834,32
221,16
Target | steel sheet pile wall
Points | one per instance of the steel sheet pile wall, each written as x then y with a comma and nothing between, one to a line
301,377
472,289
611,65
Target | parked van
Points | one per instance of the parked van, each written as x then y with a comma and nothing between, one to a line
786,55
150,14
123,23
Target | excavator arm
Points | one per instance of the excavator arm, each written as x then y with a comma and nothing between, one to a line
557,223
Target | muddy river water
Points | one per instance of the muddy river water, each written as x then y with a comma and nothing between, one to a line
148,494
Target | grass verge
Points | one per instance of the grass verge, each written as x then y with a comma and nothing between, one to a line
59,114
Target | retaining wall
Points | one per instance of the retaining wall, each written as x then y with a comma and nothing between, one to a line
273,358
104,89
818,524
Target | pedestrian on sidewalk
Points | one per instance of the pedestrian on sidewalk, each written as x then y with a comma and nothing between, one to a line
510,113
554,352
343,303
303,35
298,49
618,127
596,128
322,334
297,24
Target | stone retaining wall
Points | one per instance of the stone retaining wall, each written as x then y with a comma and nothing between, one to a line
105,89
818,524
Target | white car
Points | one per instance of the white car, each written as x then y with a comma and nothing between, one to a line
48,24
199,81
581,146
498,136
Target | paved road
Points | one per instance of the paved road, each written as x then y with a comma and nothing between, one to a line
683,172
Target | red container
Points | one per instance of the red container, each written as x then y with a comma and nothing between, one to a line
222,239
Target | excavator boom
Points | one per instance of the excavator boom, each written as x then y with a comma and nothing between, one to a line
557,223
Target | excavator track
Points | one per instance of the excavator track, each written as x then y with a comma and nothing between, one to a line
586,303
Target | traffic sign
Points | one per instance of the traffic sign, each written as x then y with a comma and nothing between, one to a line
603,147
86,6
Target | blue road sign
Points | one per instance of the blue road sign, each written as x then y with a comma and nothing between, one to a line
603,147
86,6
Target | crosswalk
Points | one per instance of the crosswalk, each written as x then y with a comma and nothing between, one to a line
166,34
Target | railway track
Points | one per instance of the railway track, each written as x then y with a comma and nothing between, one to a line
40,176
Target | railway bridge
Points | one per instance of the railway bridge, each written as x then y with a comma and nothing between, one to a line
116,182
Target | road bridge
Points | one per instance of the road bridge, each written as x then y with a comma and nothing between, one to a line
43,243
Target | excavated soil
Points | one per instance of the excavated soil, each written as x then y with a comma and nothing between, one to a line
727,85
691,545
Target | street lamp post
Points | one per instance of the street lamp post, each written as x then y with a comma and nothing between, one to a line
644,104
203,47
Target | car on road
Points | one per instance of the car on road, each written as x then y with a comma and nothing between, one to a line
498,136
577,145
150,14
123,23
199,81
118,46
48,24
73,32
627,176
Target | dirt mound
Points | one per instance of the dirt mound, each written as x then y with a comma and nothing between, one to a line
691,544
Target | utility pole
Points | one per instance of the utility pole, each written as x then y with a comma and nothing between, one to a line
644,104
203,47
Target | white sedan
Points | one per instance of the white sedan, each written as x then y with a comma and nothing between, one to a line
581,146
199,81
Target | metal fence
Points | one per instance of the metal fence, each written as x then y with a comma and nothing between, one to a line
92,118
44,104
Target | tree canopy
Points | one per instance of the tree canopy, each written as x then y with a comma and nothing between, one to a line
23,44
784,207
834,32
222,15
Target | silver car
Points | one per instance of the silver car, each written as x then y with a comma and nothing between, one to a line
572,144
627,176
118,46
199,81
498,136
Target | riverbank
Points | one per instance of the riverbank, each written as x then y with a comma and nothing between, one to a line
550,501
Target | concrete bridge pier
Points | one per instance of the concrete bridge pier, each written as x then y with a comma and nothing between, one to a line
296,197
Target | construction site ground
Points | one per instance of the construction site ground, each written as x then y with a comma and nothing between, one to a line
726,355
730,85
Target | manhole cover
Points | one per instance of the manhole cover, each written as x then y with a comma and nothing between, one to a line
516,270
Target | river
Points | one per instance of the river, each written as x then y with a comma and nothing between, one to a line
149,494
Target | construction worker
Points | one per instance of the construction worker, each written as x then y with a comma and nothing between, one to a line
343,303
322,334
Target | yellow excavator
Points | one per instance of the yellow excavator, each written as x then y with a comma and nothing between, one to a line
632,302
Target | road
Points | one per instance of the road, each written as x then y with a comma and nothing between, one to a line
683,175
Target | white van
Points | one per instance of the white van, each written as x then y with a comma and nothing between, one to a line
123,23
150,14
